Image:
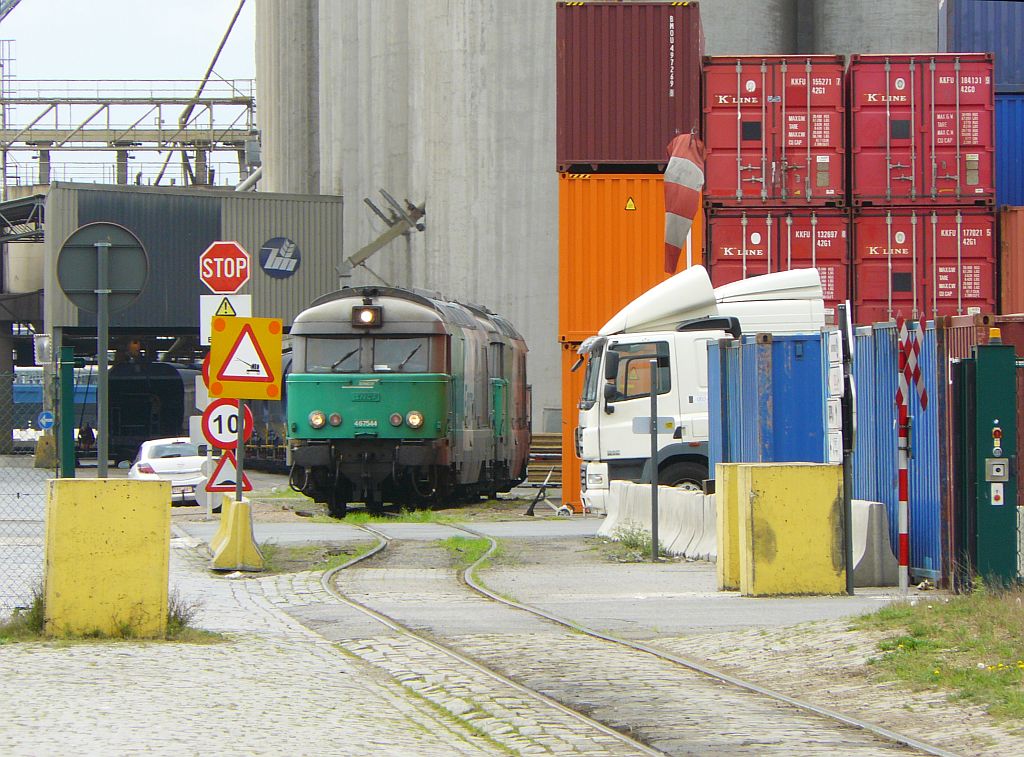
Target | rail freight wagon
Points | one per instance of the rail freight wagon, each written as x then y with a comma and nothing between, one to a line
404,396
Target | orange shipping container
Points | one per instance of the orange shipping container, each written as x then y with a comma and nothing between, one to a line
611,246
1011,260
572,388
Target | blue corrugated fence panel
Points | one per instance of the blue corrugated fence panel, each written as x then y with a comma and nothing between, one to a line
733,403
1009,148
983,26
717,412
886,462
925,522
865,485
750,449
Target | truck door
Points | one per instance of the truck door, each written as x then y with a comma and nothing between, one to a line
630,397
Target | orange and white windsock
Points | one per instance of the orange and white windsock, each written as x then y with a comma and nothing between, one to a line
684,177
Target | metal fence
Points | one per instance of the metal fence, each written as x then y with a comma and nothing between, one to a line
22,495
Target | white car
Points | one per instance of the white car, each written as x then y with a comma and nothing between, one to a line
176,460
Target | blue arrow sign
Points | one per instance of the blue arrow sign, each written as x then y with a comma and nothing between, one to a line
45,420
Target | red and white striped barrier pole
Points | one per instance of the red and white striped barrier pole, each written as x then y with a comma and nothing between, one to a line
902,422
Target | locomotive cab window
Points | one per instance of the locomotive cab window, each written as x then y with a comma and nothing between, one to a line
333,355
401,354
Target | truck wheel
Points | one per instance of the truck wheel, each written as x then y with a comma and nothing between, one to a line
686,476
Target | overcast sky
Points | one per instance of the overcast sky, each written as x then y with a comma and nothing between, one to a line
128,39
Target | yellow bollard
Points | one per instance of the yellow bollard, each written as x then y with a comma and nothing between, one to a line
238,550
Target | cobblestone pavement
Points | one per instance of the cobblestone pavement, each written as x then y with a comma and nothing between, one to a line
274,687
674,710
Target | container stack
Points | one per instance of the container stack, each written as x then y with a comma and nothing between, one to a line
922,185
628,81
980,26
776,168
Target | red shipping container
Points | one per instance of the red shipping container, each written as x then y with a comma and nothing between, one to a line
628,81
749,242
775,130
922,127
923,262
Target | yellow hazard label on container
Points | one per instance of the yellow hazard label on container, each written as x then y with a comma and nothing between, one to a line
630,204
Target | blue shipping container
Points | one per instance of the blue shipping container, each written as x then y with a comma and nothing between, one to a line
986,26
767,399
1009,149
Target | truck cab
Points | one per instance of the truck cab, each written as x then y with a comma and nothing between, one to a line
672,324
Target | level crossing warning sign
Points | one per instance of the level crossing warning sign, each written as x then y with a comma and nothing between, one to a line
225,476
245,358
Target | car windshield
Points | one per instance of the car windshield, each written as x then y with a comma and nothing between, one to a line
177,449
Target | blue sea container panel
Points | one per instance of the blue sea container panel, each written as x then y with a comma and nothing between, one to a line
800,388
1010,148
987,26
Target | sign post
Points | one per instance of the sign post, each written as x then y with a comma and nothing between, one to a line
102,268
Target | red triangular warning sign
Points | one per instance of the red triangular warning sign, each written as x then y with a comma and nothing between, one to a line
225,476
246,361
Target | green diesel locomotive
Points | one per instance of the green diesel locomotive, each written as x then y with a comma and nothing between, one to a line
403,396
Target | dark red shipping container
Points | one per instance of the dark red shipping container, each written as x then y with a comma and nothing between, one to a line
750,242
922,127
775,130
628,81
923,262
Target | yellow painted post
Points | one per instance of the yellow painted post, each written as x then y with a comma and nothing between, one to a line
791,529
238,551
107,557
727,504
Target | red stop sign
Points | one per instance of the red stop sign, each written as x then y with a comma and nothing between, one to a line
224,267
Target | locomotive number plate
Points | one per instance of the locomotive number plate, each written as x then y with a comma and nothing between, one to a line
366,397
365,424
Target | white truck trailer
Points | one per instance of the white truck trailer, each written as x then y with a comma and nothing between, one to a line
673,322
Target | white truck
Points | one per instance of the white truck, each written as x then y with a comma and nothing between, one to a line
673,322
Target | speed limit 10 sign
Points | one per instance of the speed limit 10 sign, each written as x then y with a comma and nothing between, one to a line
220,423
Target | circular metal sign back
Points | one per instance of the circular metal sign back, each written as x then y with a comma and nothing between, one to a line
78,266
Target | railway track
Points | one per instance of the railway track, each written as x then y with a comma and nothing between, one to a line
593,692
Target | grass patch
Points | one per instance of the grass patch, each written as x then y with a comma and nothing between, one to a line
362,518
279,558
970,645
464,551
28,624
631,544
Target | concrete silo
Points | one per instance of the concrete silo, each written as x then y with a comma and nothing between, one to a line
875,26
287,93
749,27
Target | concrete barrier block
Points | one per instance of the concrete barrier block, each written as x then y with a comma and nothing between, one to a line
227,502
727,525
670,517
874,564
709,543
615,503
238,550
791,529
106,557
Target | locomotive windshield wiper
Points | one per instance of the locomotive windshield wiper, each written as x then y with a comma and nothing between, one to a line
408,357
343,358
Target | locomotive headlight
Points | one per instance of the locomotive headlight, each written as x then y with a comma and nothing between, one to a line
396,419
317,419
334,419
367,316
414,418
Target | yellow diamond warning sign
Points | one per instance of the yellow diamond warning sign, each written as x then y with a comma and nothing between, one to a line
245,358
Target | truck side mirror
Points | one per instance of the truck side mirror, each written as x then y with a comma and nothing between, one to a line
611,365
611,393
